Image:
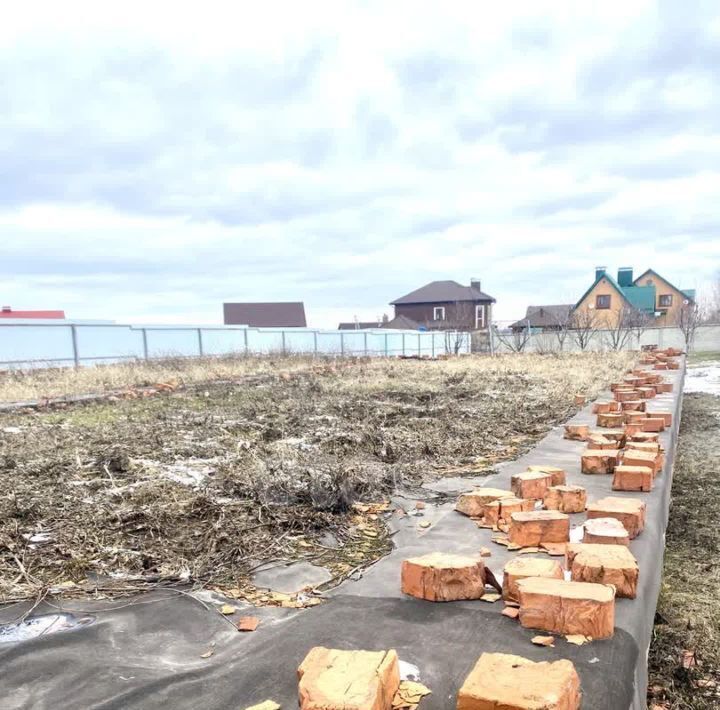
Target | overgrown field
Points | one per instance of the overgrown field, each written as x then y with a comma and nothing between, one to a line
685,654
203,483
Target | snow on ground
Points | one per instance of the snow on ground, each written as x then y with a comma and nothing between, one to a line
705,378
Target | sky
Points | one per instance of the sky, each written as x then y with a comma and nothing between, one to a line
160,158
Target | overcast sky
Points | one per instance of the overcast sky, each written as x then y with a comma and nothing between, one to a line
158,161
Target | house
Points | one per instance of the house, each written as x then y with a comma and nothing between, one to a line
545,318
447,305
7,312
266,315
397,323
649,294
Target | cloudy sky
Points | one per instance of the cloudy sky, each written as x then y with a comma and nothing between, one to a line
158,160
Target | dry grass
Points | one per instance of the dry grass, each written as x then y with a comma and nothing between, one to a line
684,660
204,483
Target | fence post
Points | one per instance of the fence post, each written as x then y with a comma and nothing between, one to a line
200,342
247,344
419,344
76,354
145,343
315,343
365,342
403,343
283,342
386,345
342,344
432,343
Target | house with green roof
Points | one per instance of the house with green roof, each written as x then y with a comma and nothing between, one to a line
649,294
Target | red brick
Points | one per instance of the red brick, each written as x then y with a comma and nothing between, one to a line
499,511
566,499
530,484
537,526
610,420
599,460
557,475
633,405
653,424
629,511
472,503
504,682
664,415
605,531
577,432
604,564
633,478
440,577
522,567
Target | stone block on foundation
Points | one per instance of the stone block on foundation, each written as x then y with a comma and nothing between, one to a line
538,526
632,417
599,460
441,577
566,499
629,511
598,442
498,512
633,428
633,405
606,407
633,478
501,681
610,420
566,607
664,415
522,567
617,435
530,484
649,459
625,395
557,475
353,680
604,564
647,392
576,432
651,436
472,503
648,446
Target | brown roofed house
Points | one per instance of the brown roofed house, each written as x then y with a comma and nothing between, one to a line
266,315
545,318
447,305
397,323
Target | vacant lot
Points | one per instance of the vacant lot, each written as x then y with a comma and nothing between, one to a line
204,482
685,654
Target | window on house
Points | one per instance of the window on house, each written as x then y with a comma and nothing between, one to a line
479,316
665,300
602,302
439,313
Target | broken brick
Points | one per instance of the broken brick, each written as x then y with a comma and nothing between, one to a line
576,432
629,511
663,387
624,396
530,484
557,475
609,420
617,435
651,459
501,681
653,424
523,567
605,531
632,417
633,405
647,392
499,511
356,680
566,607
604,564
579,400
664,415
651,436
599,460
441,577
598,442
660,366
605,407
633,478
537,526
566,499
472,503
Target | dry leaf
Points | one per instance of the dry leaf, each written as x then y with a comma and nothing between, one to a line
544,641
207,653
227,609
554,548
490,597
512,546
511,612
409,694
485,552
528,550
577,639
420,505
248,623
687,658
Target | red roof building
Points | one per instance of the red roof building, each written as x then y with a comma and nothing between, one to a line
7,312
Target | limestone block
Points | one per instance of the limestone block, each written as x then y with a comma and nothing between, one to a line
633,478
501,681
472,503
522,567
530,484
566,499
604,564
537,526
352,680
566,607
442,577
629,511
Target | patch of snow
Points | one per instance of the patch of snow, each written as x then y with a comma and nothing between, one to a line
189,472
576,533
704,379
12,430
408,671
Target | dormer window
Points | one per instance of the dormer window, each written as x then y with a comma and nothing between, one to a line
602,302
665,300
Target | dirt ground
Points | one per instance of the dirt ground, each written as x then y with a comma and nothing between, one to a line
203,482
684,660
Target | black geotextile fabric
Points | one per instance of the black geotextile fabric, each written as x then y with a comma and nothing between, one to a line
148,654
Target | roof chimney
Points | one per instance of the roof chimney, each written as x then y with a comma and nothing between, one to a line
475,283
625,276
600,271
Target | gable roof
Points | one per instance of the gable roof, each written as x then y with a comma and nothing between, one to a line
398,323
288,314
443,292
545,316
640,297
689,292
359,325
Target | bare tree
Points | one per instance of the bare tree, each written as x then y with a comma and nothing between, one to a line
583,324
456,341
561,328
629,321
689,317
712,302
516,340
